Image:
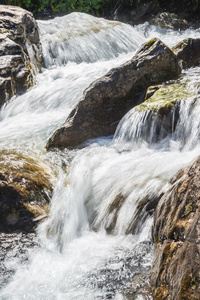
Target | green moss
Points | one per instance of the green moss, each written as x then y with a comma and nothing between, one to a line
188,209
151,42
165,98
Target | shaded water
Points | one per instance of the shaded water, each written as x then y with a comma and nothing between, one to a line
76,258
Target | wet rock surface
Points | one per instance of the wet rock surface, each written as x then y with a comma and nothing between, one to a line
188,50
13,251
25,188
20,51
109,98
161,109
126,275
176,232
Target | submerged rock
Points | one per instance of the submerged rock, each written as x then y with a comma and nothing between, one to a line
109,98
188,50
25,188
176,266
20,51
170,21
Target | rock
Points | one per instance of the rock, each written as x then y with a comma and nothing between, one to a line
20,26
176,232
151,90
25,188
145,208
20,51
161,110
188,50
170,21
165,97
109,98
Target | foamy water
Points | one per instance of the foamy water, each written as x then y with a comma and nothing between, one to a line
77,258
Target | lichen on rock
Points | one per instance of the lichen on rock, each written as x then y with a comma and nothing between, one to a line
165,98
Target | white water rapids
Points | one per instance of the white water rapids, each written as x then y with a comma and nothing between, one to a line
76,258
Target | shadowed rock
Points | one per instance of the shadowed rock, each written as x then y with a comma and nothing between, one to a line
109,98
188,50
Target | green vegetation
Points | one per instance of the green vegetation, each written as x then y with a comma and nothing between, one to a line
97,6
67,6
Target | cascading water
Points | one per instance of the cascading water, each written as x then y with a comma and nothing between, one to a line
109,184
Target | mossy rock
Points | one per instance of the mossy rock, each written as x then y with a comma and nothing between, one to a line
165,98
151,42
25,190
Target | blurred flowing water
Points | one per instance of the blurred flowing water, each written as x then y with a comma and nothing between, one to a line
101,188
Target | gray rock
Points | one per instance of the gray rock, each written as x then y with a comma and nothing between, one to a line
109,98
20,26
188,50
20,51
170,21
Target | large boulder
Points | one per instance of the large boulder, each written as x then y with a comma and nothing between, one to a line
109,98
176,233
20,51
188,50
25,189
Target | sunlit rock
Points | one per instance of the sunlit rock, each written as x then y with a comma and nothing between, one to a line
165,98
175,272
25,188
161,110
109,98
170,21
20,51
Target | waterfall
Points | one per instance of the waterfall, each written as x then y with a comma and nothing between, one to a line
96,242
79,37
137,127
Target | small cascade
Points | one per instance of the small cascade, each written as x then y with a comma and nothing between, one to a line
96,242
178,125
79,37
146,126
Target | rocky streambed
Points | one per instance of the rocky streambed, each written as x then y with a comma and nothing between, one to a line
96,200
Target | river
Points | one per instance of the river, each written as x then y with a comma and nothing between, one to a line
72,256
